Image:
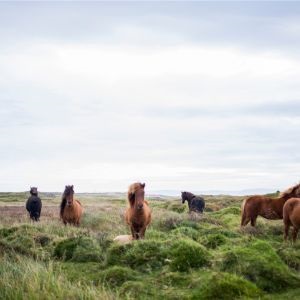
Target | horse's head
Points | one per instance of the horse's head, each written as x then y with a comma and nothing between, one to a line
293,191
296,191
183,196
69,194
136,195
33,190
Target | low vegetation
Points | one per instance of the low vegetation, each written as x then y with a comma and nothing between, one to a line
182,257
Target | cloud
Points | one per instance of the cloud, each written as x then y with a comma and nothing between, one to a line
146,102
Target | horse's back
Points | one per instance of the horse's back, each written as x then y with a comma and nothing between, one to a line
197,204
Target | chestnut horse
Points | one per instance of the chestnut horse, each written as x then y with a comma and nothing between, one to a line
138,214
291,217
267,207
70,209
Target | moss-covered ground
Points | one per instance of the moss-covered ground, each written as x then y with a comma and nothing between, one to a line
182,257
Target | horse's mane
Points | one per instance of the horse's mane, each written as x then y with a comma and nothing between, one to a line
67,191
133,188
290,190
189,195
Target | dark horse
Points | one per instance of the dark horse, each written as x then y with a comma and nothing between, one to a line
34,204
138,214
70,209
195,203
267,207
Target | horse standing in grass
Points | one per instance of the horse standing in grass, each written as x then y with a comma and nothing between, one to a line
138,214
70,209
267,207
291,217
34,204
196,203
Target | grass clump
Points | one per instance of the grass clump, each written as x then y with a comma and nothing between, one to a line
117,275
291,256
79,249
186,254
24,278
225,286
213,241
184,231
27,240
259,263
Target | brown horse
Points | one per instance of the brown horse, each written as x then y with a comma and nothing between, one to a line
70,209
267,207
291,217
138,214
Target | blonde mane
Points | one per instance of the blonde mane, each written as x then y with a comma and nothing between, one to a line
289,190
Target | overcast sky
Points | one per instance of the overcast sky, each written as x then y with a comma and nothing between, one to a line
183,96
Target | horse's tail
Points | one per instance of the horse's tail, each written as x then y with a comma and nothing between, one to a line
243,211
62,206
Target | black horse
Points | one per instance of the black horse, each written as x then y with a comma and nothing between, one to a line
34,205
196,203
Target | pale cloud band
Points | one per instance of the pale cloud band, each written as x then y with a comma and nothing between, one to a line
142,103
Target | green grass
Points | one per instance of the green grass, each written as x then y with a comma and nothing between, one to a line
184,256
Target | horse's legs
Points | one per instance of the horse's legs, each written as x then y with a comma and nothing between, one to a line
142,232
245,219
286,231
295,233
253,221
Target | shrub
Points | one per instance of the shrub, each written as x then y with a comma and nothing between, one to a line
138,290
291,256
225,286
186,254
80,249
213,240
177,207
186,232
117,275
259,263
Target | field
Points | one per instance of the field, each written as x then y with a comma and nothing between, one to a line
182,257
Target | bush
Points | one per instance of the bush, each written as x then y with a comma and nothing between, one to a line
186,254
177,207
186,232
116,275
146,255
213,240
259,263
27,240
80,249
291,256
226,286
138,290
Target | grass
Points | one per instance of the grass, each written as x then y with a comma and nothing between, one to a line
184,256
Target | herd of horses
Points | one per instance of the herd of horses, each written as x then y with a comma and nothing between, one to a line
138,214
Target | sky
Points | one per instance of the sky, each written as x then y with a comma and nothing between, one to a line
197,96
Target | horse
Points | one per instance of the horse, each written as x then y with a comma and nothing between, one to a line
138,214
196,203
70,209
34,204
267,207
291,217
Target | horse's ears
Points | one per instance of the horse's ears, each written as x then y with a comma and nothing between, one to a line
72,186
143,185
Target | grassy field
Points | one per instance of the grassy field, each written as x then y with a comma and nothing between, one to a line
182,257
